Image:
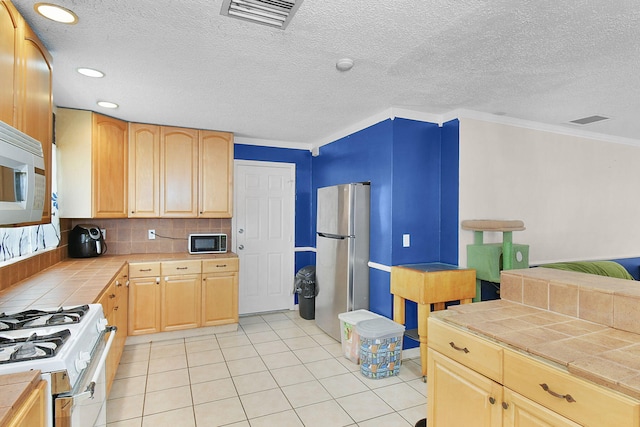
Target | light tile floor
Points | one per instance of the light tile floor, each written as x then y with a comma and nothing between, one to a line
277,369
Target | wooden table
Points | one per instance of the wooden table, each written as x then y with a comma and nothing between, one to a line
426,284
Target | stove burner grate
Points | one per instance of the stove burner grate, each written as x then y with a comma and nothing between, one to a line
32,347
39,318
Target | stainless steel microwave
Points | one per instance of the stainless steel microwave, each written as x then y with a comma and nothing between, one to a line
211,243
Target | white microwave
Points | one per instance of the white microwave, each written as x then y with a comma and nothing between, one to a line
212,243
22,177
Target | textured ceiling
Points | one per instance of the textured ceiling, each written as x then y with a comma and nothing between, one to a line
182,63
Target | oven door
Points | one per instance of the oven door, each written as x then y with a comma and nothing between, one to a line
85,405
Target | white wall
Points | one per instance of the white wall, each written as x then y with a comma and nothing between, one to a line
579,198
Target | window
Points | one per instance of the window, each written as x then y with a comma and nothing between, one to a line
22,242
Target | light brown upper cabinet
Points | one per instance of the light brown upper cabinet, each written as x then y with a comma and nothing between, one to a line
25,86
144,170
92,158
9,60
179,172
216,174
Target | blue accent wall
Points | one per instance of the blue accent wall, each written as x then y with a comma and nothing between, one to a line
416,191
413,170
449,192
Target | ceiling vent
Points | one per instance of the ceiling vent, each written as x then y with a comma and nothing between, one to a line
274,13
588,120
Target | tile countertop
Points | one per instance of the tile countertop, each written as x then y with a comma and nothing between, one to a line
76,281
604,355
14,390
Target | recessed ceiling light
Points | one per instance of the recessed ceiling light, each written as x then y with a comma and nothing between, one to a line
344,64
90,72
107,104
56,13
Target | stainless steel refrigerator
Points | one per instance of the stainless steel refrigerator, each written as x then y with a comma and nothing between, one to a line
342,253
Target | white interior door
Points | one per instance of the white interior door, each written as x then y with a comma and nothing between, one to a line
263,227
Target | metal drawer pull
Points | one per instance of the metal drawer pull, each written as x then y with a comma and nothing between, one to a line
566,397
492,400
221,265
182,268
144,269
505,405
465,349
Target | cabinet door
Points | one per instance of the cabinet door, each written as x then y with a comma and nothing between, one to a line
219,299
178,172
216,175
35,102
118,318
144,305
8,61
522,412
180,302
33,411
144,170
109,154
458,396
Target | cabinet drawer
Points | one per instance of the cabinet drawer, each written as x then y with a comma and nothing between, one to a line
144,269
590,405
220,265
476,353
172,268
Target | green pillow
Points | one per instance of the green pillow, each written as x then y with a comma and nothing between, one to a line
601,268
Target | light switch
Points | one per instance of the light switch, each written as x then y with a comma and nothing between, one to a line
406,240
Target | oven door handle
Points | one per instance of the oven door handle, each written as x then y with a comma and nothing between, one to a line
88,393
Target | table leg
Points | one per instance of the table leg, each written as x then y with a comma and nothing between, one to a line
398,309
423,316
466,301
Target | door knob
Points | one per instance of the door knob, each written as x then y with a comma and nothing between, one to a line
241,247
241,230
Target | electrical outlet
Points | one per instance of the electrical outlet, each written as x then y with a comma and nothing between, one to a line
406,240
104,233
152,234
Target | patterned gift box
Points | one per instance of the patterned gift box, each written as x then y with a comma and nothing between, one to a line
380,356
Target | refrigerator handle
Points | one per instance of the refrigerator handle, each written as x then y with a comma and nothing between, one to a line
332,236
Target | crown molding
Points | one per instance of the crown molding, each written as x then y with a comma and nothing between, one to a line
544,127
273,143
440,119
355,127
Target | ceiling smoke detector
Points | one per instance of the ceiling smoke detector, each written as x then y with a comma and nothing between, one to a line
274,13
588,120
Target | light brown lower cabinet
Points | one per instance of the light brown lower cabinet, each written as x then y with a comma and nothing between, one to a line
176,295
114,300
219,292
463,397
180,306
32,412
522,392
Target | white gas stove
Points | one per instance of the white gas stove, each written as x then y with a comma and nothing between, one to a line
67,345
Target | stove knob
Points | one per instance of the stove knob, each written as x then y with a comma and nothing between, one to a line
101,325
83,360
